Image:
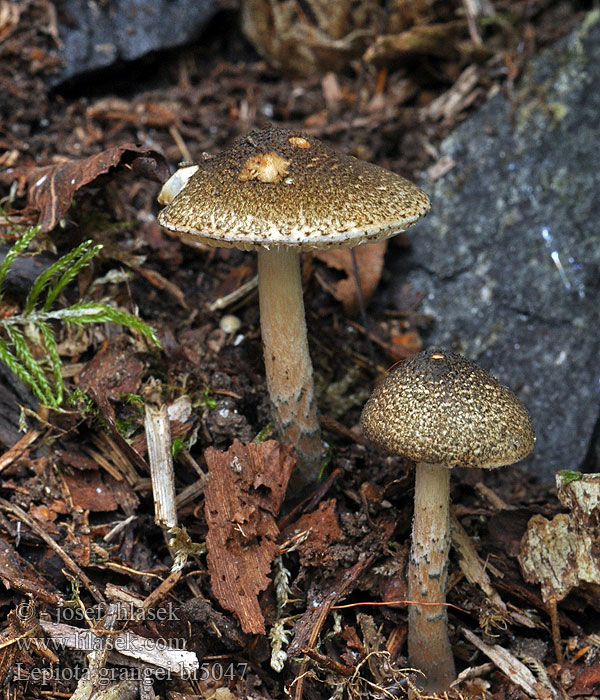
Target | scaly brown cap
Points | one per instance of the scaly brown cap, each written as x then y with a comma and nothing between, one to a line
438,407
280,187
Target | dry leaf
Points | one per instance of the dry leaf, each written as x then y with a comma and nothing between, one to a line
89,490
111,372
587,682
369,260
51,187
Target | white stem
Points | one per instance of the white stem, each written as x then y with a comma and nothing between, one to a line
429,647
287,360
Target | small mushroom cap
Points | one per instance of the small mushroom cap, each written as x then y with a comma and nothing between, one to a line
438,407
280,187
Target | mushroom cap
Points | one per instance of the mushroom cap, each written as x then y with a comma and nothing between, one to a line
280,187
440,408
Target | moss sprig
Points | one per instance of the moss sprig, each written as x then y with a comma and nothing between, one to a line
34,327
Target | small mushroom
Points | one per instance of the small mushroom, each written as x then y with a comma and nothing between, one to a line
281,192
441,411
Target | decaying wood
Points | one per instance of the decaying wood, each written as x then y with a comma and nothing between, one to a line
122,690
516,671
322,531
18,448
127,644
158,438
98,657
562,554
470,563
242,498
308,627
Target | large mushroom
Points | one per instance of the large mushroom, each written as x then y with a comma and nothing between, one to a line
441,411
281,192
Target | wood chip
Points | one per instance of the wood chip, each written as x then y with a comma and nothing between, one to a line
158,438
128,644
90,491
323,531
561,554
503,659
18,448
470,563
245,489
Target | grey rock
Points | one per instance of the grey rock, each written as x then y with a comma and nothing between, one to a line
96,34
509,257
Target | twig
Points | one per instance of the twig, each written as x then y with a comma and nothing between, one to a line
180,143
162,590
516,671
158,438
553,611
316,617
118,528
492,497
340,429
328,662
236,295
128,644
18,448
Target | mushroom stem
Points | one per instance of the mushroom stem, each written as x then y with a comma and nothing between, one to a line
429,647
287,360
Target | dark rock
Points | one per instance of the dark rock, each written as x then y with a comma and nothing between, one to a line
98,34
509,257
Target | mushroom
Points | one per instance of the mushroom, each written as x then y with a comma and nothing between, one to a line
281,192
441,411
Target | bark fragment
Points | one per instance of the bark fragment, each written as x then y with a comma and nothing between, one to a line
244,492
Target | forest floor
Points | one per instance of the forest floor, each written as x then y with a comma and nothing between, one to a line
77,521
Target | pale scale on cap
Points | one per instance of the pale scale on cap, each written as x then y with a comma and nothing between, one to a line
280,187
438,407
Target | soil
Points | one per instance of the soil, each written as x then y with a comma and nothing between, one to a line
321,574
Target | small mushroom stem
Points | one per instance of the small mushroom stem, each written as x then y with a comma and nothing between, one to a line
429,647
287,360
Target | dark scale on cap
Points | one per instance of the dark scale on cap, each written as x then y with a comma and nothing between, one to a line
438,407
280,187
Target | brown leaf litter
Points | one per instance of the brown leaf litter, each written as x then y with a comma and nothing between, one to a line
50,188
369,263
